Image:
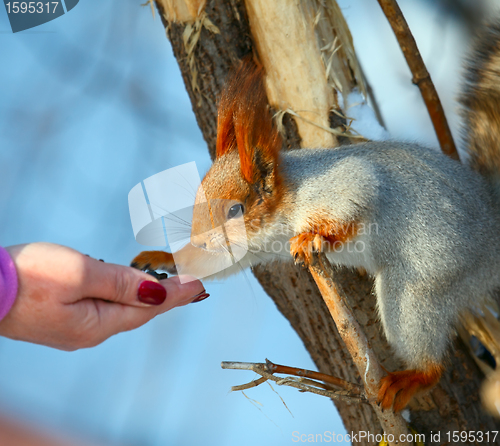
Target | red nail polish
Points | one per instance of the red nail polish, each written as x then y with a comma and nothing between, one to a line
200,298
151,293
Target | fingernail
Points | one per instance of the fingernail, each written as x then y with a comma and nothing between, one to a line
151,293
199,297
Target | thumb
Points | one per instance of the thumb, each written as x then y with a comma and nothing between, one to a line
121,284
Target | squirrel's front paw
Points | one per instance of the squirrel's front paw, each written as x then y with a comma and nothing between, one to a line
303,246
154,260
398,388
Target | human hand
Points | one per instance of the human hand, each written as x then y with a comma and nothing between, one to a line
68,301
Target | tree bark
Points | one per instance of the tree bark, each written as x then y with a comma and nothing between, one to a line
454,404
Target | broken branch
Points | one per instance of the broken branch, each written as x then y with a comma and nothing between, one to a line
303,384
287,370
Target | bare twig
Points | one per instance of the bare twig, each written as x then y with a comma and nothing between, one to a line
303,384
355,341
421,76
249,385
373,100
284,369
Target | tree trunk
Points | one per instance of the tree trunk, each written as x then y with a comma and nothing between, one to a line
207,40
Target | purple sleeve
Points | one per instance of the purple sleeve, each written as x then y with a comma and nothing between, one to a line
8,283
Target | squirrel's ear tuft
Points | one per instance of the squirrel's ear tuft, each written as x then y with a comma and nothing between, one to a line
245,123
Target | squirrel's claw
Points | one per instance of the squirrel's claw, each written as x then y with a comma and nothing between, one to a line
303,246
398,388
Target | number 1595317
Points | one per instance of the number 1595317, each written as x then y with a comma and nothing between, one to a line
472,436
31,7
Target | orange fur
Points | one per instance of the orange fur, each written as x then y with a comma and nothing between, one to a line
209,215
154,260
260,207
398,388
245,123
322,235
245,126
332,231
303,246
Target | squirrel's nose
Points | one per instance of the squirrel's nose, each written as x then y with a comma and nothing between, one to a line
199,242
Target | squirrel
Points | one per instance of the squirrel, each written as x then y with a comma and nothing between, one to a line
429,226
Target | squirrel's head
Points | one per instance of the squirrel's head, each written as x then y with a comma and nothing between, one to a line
242,189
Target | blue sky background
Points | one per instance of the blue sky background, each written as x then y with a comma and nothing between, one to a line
91,104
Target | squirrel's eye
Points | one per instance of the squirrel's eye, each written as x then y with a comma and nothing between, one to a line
234,211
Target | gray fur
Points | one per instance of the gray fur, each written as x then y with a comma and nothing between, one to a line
434,248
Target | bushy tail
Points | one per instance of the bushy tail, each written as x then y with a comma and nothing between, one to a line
481,104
